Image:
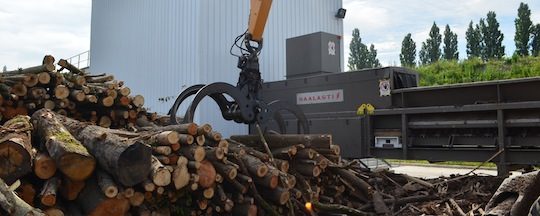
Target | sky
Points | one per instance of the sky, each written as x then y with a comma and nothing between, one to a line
30,29
385,23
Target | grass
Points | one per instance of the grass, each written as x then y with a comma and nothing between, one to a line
475,70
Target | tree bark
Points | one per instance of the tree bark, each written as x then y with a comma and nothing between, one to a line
65,64
93,202
49,191
44,166
71,157
106,184
126,160
14,205
285,140
15,149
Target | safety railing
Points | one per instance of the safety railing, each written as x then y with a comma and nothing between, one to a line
81,60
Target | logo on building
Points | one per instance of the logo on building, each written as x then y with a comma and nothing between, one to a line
384,87
331,48
330,96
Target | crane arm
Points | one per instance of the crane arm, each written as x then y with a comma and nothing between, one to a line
260,9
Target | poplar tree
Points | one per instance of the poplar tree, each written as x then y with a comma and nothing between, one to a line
408,51
450,49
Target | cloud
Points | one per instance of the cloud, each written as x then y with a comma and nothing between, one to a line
386,22
31,29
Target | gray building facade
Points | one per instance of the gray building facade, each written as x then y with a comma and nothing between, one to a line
159,48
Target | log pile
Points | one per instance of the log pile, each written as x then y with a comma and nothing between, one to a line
69,162
72,92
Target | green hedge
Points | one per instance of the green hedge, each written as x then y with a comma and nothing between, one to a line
474,70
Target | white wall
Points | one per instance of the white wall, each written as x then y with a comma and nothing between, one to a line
160,47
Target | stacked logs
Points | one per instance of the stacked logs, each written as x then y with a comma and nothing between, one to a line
69,91
67,167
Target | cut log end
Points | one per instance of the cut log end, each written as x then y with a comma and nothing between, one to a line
61,92
77,167
262,170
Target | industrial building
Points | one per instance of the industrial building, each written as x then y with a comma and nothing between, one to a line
159,48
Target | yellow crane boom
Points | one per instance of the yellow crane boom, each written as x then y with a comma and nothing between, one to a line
260,9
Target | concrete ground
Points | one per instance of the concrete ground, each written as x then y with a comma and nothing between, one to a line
437,171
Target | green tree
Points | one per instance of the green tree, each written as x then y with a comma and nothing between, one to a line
523,29
358,57
474,41
492,37
450,49
535,40
373,62
433,44
408,51
424,58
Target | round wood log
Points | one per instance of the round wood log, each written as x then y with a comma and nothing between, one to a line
124,91
226,170
49,104
16,153
195,153
255,166
61,91
137,199
27,192
13,205
48,59
106,184
215,154
306,154
78,95
138,101
163,150
168,137
91,99
107,101
160,175
208,193
278,195
245,209
148,185
180,176
93,202
127,161
65,64
30,80
285,140
70,189
19,89
49,191
44,78
214,136
204,129
310,170
70,156
282,165
124,101
269,180
200,140
188,128
207,174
